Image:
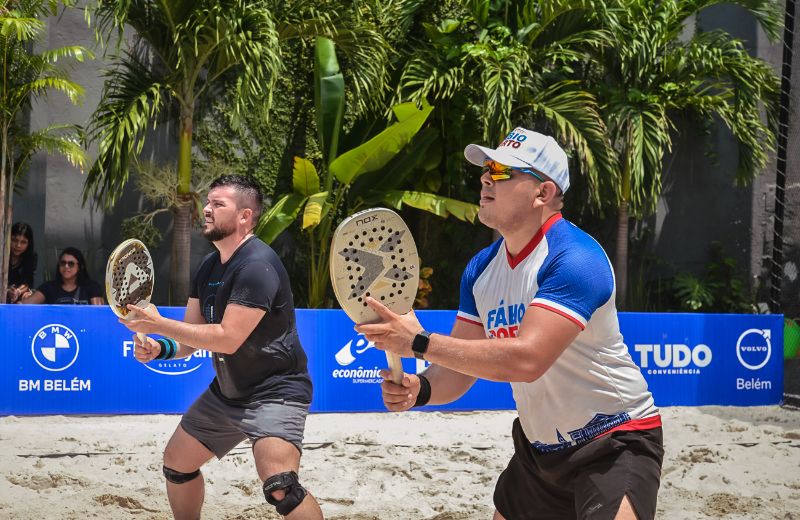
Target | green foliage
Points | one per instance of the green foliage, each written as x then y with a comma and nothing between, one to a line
141,229
511,65
261,148
371,171
692,293
159,186
193,44
649,75
724,287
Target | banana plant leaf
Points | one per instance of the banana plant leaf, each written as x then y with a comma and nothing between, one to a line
396,171
441,206
328,98
283,213
375,153
305,180
314,209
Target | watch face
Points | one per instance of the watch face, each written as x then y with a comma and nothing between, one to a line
420,344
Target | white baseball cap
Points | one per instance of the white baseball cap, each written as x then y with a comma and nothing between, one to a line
526,149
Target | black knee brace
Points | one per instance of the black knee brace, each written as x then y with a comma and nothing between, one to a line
176,477
295,493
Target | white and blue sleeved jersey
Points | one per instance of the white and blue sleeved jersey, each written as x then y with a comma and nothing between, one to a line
593,387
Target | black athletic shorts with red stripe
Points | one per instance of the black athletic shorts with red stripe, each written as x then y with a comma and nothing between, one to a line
586,482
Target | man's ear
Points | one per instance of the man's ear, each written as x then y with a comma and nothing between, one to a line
547,193
246,214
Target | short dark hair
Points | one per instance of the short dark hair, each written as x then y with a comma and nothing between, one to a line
83,274
248,193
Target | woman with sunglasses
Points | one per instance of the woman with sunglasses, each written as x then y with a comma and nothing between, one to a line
22,263
72,285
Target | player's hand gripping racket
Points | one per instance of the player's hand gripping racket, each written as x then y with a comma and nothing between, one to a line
129,279
373,254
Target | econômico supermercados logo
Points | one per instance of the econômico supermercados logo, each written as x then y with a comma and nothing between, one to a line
345,357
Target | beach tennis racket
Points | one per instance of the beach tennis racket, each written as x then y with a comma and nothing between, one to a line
129,279
373,254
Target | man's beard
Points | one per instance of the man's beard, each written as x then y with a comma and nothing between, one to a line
218,233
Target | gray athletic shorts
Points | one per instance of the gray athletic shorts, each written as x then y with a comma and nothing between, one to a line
220,427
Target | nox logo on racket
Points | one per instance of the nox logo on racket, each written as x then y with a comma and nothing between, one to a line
366,220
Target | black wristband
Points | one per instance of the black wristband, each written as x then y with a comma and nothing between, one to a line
168,349
424,394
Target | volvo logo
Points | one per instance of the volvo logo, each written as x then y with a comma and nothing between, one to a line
754,348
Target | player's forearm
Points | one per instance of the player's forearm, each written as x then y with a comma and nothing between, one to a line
184,351
210,337
446,385
505,360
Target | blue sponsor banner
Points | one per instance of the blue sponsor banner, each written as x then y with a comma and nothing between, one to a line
702,359
345,367
79,360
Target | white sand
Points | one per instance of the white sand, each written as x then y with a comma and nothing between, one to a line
721,462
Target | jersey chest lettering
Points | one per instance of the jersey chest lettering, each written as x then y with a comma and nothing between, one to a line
503,297
503,321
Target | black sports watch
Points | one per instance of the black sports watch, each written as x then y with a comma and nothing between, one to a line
420,344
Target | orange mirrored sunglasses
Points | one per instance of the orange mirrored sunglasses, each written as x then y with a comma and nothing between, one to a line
500,172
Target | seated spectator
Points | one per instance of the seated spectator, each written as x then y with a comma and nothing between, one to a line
72,285
22,263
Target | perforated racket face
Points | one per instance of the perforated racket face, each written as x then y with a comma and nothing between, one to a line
373,254
129,277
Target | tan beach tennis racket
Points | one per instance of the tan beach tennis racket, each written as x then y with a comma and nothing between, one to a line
373,254
129,279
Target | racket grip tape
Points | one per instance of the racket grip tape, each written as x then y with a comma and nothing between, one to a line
396,367
142,337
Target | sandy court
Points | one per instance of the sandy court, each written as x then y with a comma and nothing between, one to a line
721,462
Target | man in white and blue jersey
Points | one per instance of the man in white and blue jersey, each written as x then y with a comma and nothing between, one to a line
537,310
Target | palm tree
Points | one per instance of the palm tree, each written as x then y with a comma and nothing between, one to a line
192,44
25,77
650,75
514,57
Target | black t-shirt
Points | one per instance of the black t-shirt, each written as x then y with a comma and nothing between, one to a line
22,273
54,294
271,363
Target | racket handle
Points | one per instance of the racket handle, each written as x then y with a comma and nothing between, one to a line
142,337
396,367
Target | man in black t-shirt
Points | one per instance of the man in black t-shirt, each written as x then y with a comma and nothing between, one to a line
241,310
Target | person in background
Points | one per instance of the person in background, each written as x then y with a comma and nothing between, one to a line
72,285
22,263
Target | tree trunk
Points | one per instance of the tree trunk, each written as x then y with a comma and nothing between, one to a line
621,258
5,229
180,259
